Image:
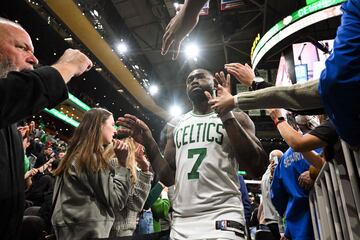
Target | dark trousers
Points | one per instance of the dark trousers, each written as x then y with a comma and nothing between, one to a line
274,228
268,232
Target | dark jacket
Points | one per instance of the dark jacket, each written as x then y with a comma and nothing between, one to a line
21,95
41,185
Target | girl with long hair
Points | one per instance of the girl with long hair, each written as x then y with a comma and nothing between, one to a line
89,189
125,219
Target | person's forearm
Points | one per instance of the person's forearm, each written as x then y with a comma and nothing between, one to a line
28,182
314,159
65,70
297,141
158,163
290,135
248,149
298,96
154,193
192,8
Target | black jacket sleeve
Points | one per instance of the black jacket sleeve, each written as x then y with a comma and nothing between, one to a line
260,85
326,132
25,93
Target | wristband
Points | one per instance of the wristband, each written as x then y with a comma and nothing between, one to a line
227,116
314,172
278,120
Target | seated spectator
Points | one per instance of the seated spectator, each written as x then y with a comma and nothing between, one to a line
42,183
46,155
36,221
88,189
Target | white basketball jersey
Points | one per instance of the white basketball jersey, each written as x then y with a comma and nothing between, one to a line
206,183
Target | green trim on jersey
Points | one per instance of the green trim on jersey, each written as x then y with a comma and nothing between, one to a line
202,115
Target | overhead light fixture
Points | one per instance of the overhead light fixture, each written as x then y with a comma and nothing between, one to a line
122,48
192,51
153,89
175,111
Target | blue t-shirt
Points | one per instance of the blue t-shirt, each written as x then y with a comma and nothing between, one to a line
339,85
245,199
289,198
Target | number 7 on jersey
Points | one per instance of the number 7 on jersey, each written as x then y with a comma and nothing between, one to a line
201,152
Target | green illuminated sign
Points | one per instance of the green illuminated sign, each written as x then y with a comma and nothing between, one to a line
78,102
242,172
62,116
308,2
295,16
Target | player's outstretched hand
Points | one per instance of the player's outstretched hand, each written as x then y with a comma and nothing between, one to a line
177,29
223,102
134,127
243,73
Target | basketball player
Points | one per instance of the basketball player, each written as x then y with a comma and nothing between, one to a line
202,156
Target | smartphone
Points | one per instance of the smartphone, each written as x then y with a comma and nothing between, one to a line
276,160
